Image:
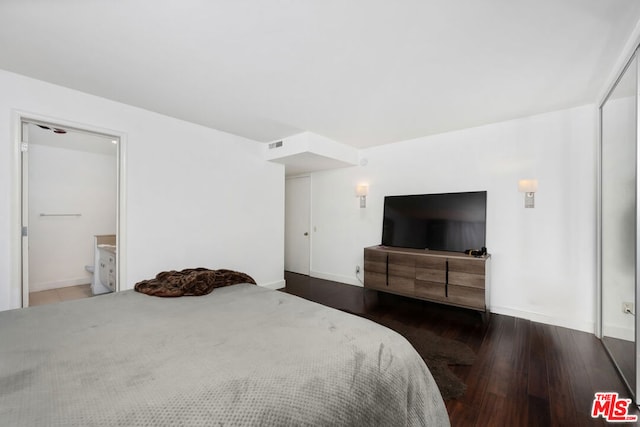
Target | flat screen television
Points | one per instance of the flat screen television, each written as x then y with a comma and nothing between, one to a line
453,222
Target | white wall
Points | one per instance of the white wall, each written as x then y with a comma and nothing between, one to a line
543,259
67,181
195,196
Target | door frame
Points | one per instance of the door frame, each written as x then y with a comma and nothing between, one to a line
19,293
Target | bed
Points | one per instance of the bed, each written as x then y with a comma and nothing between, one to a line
242,355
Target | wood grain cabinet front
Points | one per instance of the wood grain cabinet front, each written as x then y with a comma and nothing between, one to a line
431,278
375,267
402,273
445,277
467,283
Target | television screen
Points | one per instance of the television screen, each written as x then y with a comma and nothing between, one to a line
452,222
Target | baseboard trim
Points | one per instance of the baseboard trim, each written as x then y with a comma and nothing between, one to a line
336,278
546,319
618,332
279,284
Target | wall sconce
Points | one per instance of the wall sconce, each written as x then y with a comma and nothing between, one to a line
361,191
529,188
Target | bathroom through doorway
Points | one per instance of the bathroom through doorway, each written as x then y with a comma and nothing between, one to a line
70,180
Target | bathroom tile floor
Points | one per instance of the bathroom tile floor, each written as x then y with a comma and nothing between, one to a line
59,295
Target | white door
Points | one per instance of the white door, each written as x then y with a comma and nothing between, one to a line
297,233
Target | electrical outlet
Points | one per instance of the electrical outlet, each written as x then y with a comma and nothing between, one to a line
627,307
357,269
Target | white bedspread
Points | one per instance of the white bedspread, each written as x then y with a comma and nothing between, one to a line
242,355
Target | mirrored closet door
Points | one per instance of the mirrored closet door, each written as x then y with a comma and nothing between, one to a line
619,219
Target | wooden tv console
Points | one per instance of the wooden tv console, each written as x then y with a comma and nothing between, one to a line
445,277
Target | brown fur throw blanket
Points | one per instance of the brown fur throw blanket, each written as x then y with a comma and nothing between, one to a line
190,282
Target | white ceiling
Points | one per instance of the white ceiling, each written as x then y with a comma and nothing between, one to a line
361,72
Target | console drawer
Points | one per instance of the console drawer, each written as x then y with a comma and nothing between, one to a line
466,279
430,290
375,280
467,296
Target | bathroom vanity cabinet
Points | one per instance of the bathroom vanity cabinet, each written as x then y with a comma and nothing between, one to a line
104,264
107,266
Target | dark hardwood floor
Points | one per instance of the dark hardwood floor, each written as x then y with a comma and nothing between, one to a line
525,374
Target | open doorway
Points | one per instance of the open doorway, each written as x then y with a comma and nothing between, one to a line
70,205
